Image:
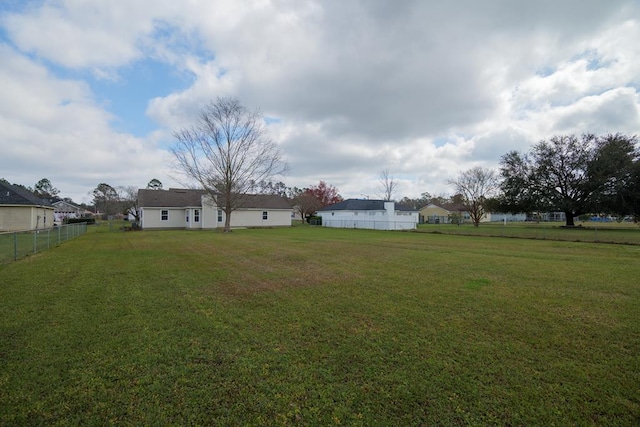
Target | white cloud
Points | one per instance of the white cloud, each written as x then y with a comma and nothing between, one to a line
52,128
423,89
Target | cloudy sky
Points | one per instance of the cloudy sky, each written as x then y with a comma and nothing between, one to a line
91,91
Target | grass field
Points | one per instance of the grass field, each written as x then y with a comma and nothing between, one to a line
597,232
15,245
314,326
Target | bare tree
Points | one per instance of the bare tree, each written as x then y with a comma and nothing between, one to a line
475,186
227,151
306,204
129,199
388,185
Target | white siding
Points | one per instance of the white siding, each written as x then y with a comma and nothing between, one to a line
254,218
375,220
501,217
152,218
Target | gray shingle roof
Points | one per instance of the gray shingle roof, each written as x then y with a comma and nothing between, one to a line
169,198
451,207
363,205
188,197
260,201
14,195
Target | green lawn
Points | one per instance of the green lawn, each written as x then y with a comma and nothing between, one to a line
314,326
595,232
15,245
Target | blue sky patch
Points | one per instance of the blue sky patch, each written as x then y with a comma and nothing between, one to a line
272,120
129,96
545,71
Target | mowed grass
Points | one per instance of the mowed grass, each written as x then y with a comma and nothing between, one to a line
314,326
588,231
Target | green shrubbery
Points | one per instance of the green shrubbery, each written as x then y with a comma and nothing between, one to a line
79,220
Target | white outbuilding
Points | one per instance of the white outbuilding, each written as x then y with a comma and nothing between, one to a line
369,214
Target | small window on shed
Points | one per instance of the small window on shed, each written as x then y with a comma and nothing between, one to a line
265,215
164,215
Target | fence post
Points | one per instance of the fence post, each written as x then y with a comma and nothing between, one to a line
35,241
15,246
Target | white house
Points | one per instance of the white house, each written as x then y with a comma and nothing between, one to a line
196,209
370,214
64,209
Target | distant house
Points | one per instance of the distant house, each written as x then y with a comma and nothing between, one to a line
64,209
446,213
21,210
369,214
196,209
503,217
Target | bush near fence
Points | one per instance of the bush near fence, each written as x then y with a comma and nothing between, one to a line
79,220
16,245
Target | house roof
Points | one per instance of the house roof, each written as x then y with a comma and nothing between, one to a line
14,195
450,207
363,205
187,197
60,203
169,198
262,201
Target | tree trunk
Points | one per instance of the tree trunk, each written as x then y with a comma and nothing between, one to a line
569,219
227,220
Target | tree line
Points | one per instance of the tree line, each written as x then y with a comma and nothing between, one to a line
107,200
228,153
575,175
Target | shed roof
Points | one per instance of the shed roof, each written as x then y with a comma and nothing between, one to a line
363,205
14,195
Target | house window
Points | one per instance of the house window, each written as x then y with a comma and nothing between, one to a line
196,215
219,215
265,215
187,217
164,215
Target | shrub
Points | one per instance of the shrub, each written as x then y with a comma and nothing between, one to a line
79,220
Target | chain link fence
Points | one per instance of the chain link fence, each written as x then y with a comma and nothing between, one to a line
629,234
15,245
